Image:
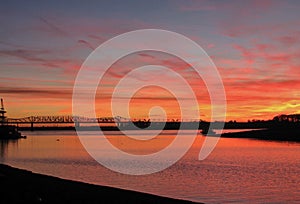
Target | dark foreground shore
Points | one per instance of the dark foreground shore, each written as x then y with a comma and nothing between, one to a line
21,186
275,134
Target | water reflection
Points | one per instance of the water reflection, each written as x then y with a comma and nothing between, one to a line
4,144
238,170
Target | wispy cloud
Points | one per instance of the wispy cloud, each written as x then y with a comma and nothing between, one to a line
84,42
35,92
53,27
34,56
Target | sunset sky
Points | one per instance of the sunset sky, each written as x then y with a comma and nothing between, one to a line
254,44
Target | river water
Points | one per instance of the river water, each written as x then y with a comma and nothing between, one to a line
238,170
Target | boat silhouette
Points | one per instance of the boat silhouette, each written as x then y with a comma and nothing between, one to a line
7,131
207,132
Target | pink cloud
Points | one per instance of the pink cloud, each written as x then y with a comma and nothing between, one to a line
288,40
201,5
270,55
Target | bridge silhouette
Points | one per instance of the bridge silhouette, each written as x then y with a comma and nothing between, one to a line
33,122
78,120
67,119
118,121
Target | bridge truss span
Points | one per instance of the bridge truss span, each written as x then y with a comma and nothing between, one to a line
65,119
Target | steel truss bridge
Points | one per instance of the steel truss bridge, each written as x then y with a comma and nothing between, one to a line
77,120
33,122
64,119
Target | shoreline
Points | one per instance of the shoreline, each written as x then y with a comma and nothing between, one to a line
272,134
22,186
288,134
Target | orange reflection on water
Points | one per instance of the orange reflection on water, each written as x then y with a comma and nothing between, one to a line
140,147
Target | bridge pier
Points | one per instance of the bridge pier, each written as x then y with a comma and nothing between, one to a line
31,126
77,124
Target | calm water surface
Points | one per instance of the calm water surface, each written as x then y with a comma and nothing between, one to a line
238,170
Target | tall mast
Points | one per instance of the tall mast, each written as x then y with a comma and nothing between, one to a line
2,113
2,106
